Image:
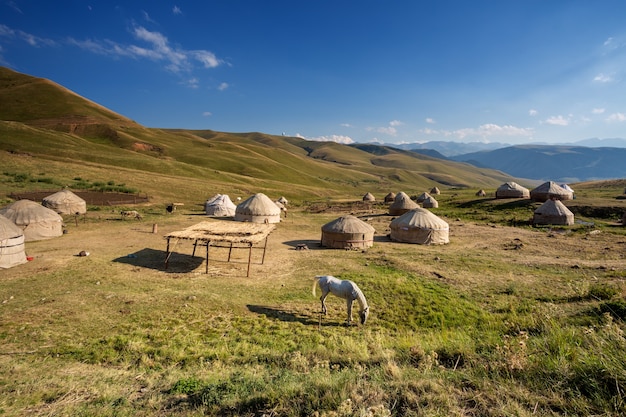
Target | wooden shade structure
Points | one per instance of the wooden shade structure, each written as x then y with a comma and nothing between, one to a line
224,234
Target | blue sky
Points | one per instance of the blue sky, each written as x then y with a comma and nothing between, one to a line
401,71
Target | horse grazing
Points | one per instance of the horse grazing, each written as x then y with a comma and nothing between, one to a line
345,289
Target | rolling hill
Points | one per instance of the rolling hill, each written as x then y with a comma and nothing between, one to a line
48,131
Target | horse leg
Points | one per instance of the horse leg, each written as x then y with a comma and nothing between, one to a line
323,300
349,302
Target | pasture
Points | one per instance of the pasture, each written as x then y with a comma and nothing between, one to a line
505,320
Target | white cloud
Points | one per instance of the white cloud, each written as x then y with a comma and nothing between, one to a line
147,17
489,130
176,10
223,86
533,112
608,41
207,58
616,117
557,121
346,140
603,78
597,111
430,120
207,114
345,125
395,123
390,130
30,39
192,82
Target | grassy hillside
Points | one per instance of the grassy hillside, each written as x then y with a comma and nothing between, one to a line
62,132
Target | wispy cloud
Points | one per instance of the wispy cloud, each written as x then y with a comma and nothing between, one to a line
176,10
603,78
346,140
430,120
533,112
33,40
616,117
155,47
207,114
345,125
597,111
558,121
223,86
390,130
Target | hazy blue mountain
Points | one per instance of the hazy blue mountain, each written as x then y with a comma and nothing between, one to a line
556,163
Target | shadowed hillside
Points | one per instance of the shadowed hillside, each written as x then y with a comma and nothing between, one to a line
61,134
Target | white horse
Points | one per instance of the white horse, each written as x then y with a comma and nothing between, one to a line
343,289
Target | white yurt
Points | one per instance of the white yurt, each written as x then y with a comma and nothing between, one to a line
430,202
220,205
369,197
553,212
420,226
347,232
11,244
37,221
65,202
258,209
512,190
401,204
550,191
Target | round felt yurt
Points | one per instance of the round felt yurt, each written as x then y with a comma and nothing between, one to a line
430,202
435,191
512,190
550,191
481,193
401,204
65,202
369,197
390,197
420,226
347,232
37,222
553,212
11,244
420,198
220,205
258,209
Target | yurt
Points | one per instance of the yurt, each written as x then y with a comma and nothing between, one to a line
553,212
37,221
391,196
65,202
347,232
420,198
220,205
369,197
512,190
481,193
257,209
420,226
11,244
401,204
435,191
430,202
550,190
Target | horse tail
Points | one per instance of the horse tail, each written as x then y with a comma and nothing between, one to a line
315,282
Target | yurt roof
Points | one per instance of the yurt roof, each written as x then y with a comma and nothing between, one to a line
63,196
65,202
423,196
8,229
348,224
220,200
402,200
25,212
392,195
566,187
435,190
421,218
369,197
554,208
512,186
551,187
258,205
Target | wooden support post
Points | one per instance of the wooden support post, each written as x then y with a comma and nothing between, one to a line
167,253
195,243
249,260
206,268
230,250
264,248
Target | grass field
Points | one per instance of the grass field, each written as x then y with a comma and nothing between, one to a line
505,320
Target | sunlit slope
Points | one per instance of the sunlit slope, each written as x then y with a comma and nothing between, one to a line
50,123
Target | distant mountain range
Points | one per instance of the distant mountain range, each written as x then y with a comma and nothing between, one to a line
585,160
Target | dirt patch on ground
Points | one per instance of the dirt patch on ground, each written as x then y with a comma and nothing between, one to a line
93,198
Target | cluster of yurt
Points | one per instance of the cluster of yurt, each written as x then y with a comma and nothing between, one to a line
427,201
420,226
401,204
550,191
220,205
512,190
347,232
36,221
553,212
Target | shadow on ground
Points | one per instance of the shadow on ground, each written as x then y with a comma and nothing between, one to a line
292,316
155,259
